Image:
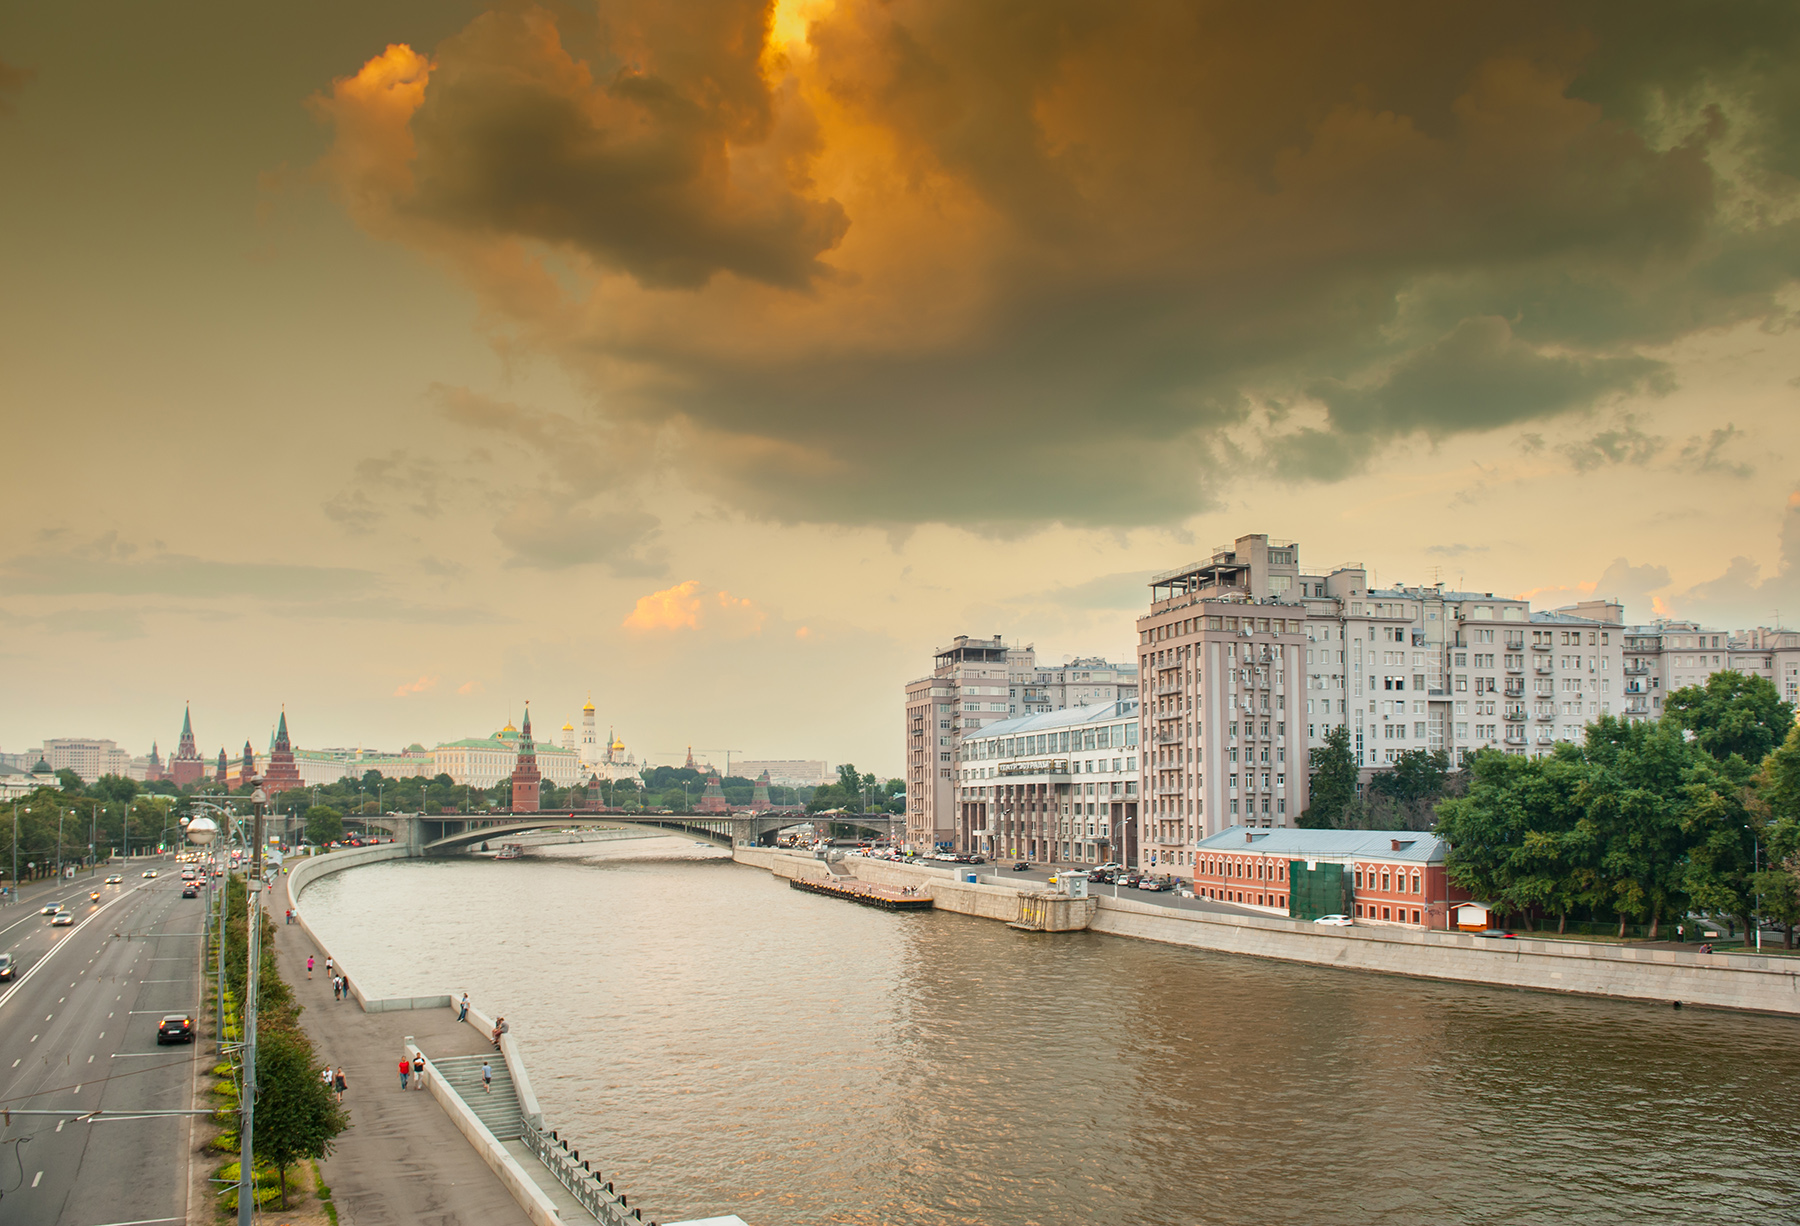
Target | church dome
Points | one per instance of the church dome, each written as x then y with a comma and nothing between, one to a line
568,727
589,708
618,746
509,728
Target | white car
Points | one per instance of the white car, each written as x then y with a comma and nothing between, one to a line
62,919
115,879
149,872
1336,921
52,909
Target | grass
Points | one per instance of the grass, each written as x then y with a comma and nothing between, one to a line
324,1194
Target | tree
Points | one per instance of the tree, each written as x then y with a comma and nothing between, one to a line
1733,713
324,824
71,782
296,1116
1333,786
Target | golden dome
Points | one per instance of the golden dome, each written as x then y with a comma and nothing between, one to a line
618,746
568,727
509,728
590,705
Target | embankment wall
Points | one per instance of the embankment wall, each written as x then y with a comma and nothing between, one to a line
1767,984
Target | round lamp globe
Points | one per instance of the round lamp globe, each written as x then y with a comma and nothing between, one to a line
202,831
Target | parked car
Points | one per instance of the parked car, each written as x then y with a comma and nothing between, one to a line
1022,866
1156,885
1335,921
1497,933
1100,876
6,966
175,1028
62,919
1133,880
1111,866
977,860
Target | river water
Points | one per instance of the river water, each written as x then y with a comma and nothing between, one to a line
728,1045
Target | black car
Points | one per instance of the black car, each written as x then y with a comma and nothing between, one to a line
1022,866
175,1028
6,966
189,891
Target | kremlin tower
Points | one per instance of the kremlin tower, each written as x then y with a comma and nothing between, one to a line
153,770
224,768
525,777
759,798
713,799
589,750
282,774
187,766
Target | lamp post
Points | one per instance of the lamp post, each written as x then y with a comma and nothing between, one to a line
60,814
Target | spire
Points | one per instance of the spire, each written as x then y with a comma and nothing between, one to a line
187,720
281,733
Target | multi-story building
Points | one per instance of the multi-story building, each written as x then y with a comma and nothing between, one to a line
1221,653
1086,681
1059,786
88,758
787,772
967,690
484,761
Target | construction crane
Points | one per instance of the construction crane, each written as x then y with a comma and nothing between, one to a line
727,753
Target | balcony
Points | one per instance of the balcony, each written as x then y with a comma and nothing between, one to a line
1166,738
1515,736
1540,646
1635,668
1516,715
1544,716
1518,667
1515,691
1543,668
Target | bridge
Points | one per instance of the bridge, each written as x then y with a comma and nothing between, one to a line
445,834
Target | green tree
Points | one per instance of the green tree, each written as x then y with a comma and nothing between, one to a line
296,1116
1333,787
1733,713
71,782
324,824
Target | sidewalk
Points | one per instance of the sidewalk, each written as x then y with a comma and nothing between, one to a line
401,1160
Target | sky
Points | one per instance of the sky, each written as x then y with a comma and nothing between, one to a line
401,363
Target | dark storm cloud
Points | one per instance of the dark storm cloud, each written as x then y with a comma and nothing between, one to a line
109,567
1019,262
631,166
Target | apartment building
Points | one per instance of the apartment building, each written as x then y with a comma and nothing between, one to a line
1668,655
88,758
975,683
1086,681
1060,786
1221,653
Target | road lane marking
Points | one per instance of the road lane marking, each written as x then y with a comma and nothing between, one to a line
35,1178
145,1221
16,1062
34,1038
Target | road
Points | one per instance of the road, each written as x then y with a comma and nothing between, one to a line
78,1032
1001,873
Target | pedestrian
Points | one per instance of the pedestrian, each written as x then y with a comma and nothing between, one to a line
463,1016
336,989
339,1084
1681,933
325,1076
487,1077
309,966
328,964
418,1070
405,1071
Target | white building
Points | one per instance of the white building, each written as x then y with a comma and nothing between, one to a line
88,758
1061,786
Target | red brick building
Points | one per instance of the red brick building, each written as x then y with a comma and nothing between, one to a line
187,766
1393,876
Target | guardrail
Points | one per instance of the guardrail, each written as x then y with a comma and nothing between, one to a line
578,1176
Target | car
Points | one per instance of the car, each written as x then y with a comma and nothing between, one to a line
6,966
1100,876
1336,921
1499,934
149,872
62,919
977,860
175,1028
115,879
1111,866
1023,866
52,909
190,891
1156,885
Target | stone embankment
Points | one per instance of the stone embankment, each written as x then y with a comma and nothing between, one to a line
1761,983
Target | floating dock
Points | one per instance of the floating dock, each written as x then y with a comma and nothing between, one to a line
886,897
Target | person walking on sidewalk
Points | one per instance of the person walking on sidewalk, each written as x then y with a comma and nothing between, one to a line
405,1071
418,1070
309,966
339,1084
336,989
328,964
463,1015
487,1077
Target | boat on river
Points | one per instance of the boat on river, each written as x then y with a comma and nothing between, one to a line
510,851
886,897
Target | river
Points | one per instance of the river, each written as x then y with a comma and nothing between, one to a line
728,1045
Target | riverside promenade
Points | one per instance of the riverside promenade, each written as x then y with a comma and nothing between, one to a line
402,1160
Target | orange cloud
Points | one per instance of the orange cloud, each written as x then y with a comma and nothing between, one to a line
416,687
686,607
673,608
470,687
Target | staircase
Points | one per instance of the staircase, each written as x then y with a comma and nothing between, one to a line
497,1109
